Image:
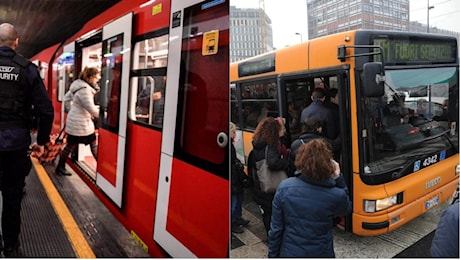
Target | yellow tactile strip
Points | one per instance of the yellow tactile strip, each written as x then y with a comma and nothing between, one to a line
76,237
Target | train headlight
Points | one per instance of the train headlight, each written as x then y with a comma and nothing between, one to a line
380,204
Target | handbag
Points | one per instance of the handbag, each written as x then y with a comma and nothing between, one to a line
269,179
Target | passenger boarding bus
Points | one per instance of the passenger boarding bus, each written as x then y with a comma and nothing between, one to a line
398,115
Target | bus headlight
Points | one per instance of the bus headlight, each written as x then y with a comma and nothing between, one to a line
381,204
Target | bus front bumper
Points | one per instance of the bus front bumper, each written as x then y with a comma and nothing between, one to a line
372,225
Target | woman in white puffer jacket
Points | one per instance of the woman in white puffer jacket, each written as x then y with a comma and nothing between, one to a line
79,124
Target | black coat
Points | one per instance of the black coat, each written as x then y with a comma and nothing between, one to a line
37,96
307,137
275,162
238,176
318,110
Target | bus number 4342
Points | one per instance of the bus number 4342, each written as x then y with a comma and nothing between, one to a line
430,160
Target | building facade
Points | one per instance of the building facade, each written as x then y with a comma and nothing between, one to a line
250,33
332,16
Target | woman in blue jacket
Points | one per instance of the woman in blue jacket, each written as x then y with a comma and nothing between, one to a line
304,206
445,241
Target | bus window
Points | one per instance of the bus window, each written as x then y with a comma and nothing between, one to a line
413,117
258,100
298,95
235,116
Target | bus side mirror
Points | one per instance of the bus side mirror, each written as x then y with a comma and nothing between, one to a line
373,79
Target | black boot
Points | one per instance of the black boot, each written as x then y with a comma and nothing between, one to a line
237,228
60,169
13,251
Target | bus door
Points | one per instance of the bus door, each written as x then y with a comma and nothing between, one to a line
114,84
192,211
297,96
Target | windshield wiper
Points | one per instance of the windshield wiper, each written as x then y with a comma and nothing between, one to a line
450,141
431,137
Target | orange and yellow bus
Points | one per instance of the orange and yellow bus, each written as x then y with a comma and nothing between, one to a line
396,169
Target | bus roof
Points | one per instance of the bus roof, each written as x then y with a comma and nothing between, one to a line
322,52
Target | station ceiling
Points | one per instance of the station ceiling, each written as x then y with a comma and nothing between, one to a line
43,23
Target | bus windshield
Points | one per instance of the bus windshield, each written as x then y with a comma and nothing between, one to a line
414,124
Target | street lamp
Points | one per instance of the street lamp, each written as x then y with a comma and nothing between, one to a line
300,36
428,16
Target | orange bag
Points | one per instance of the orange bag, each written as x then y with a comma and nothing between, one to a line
53,147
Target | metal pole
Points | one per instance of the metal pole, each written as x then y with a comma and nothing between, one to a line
428,16
301,40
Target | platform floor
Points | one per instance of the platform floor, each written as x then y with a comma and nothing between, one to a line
61,217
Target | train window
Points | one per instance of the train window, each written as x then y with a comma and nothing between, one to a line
151,53
111,83
148,81
65,74
149,102
203,88
91,56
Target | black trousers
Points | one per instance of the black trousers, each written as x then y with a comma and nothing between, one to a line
14,167
266,216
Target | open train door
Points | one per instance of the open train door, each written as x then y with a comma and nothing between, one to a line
116,46
65,70
192,211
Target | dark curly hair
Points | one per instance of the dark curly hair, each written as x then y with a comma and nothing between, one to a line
313,159
311,125
267,130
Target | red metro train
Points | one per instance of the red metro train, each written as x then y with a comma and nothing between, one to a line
162,165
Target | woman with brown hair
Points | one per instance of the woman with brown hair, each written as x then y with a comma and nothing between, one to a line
304,206
79,124
265,146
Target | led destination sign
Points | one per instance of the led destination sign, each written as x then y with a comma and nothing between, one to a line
258,65
401,51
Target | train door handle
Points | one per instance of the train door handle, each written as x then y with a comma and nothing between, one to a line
222,139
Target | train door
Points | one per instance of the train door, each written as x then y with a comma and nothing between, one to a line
192,211
113,102
87,54
66,72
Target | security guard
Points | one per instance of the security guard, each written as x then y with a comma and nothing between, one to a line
21,89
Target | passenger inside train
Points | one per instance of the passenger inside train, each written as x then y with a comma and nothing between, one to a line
150,101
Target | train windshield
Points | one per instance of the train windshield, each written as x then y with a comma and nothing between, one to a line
414,124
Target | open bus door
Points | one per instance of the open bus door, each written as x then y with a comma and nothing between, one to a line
116,45
192,211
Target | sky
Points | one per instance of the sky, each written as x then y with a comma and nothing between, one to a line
289,19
